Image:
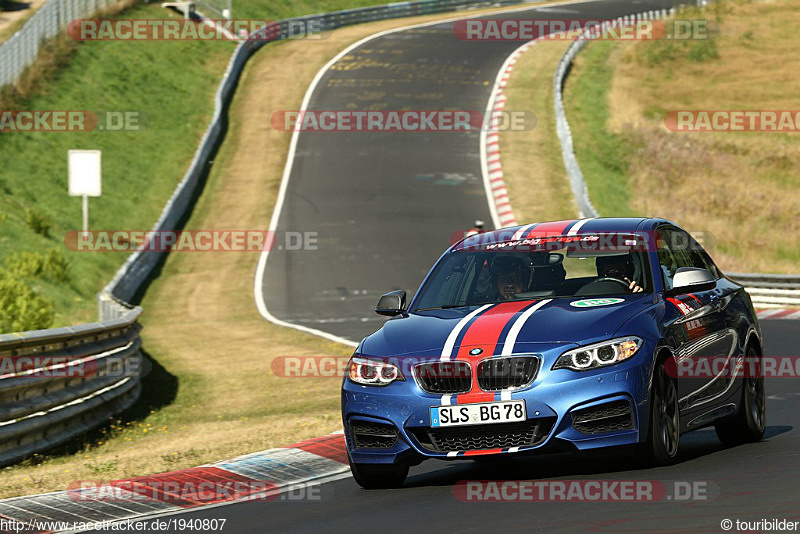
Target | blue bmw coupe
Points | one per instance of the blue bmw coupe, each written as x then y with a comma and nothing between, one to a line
554,336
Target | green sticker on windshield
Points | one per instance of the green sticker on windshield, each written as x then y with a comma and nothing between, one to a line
590,303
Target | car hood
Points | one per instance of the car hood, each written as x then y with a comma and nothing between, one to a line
556,322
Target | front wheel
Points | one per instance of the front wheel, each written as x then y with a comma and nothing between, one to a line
378,476
661,447
751,420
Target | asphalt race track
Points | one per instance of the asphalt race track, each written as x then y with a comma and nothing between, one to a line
384,206
748,482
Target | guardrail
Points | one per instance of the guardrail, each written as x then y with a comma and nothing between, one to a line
99,366
56,384
770,290
766,290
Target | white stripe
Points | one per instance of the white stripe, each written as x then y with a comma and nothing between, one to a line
447,400
513,449
511,338
577,226
505,395
522,231
452,454
447,350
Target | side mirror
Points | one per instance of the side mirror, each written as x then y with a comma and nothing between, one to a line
692,279
392,304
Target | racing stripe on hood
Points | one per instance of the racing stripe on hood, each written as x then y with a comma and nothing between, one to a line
485,333
511,338
447,350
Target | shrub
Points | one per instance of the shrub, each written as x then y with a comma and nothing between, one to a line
38,222
21,308
52,266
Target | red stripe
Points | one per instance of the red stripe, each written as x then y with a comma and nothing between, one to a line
681,306
195,486
484,333
331,447
548,229
485,451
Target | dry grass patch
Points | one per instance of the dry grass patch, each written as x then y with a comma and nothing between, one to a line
533,168
743,188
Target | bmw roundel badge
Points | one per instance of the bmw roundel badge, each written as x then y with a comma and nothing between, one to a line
475,352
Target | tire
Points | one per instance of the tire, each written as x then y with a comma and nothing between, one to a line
751,419
379,476
663,435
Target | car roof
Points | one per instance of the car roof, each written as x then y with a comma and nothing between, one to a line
565,227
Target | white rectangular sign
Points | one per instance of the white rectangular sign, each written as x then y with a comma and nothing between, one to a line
84,173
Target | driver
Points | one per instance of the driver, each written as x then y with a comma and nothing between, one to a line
511,276
618,267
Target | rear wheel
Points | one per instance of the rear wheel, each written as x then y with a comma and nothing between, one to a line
751,420
661,447
379,476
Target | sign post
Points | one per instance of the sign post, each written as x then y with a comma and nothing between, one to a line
84,178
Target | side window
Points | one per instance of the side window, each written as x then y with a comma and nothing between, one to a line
701,259
674,252
666,260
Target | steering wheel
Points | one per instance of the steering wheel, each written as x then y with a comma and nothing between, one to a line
609,279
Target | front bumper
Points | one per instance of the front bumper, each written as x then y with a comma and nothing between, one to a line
565,410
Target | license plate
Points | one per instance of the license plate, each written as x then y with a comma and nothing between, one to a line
478,414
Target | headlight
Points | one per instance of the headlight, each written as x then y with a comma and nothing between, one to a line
372,372
599,354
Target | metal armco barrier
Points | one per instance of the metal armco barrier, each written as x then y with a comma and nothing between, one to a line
770,290
43,407
766,290
56,384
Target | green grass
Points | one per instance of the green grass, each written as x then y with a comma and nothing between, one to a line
170,83
173,84
603,155
258,9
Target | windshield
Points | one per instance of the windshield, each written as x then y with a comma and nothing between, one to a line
475,277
